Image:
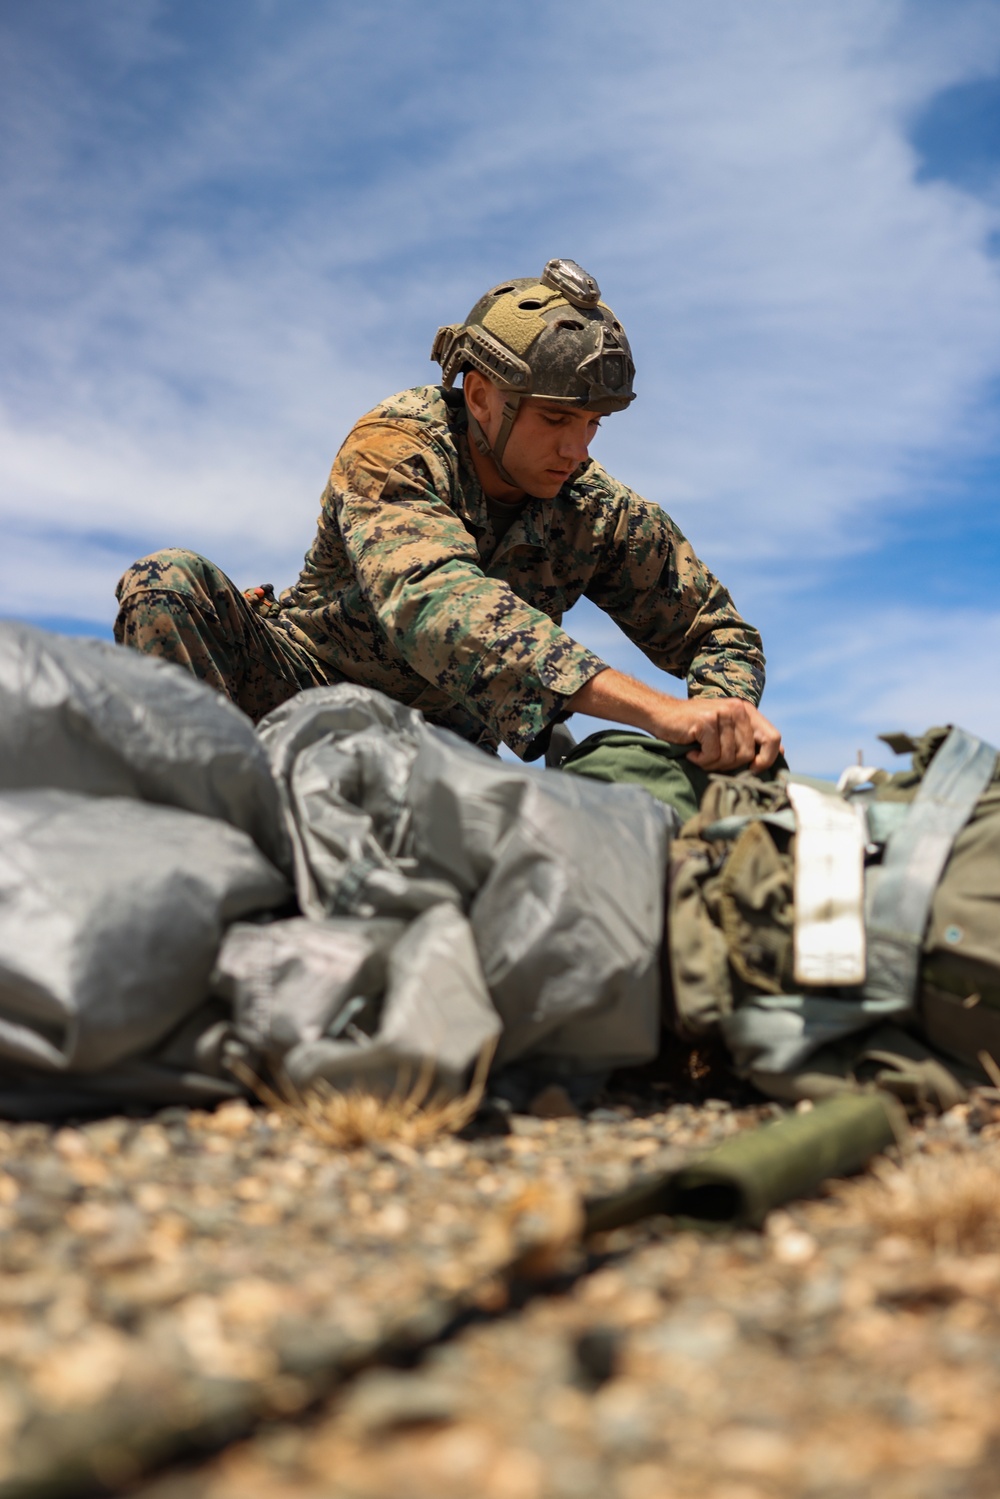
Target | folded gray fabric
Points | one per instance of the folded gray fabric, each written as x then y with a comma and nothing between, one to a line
435,1012
111,916
342,758
81,715
289,982
445,893
562,880
349,1000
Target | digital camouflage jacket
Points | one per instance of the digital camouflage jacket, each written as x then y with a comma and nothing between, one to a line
406,590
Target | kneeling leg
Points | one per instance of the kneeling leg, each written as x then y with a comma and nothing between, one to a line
178,605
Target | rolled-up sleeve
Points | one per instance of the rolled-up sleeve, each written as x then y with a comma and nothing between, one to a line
419,570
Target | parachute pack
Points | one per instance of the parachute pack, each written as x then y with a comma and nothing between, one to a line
346,891
839,936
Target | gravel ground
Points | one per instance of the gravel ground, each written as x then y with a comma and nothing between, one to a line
402,1320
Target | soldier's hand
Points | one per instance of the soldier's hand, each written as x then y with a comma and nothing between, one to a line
729,733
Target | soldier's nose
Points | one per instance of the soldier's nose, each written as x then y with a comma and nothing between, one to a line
574,447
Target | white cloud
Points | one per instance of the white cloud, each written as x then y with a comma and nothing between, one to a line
890,669
225,258
51,577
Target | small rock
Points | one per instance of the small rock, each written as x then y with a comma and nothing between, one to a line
233,1118
597,1352
553,1102
794,1248
383,1399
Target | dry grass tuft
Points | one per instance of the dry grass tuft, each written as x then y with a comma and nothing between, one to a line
409,1115
947,1202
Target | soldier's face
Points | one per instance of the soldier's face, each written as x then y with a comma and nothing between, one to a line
547,443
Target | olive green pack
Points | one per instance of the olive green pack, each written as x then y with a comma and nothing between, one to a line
626,757
926,1018
630,758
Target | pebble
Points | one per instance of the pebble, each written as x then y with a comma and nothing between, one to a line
199,1271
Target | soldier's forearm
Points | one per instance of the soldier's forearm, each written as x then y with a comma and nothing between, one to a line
623,699
727,731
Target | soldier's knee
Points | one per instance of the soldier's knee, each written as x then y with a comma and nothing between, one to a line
171,570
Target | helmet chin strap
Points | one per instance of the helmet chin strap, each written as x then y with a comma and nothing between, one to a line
495,452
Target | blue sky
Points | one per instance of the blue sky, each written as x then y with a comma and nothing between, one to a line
230,229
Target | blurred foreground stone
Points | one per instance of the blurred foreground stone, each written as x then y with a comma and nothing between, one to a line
171,1285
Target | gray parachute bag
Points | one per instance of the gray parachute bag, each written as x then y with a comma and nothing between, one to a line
111,916
81,715
138,819
562,880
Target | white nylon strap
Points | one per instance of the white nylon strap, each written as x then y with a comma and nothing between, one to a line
829,888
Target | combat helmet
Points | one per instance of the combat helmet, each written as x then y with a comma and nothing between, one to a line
553,337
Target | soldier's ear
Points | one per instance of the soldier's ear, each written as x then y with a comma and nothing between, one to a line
477,394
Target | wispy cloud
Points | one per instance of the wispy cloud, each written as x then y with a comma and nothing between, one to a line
233,230
892,668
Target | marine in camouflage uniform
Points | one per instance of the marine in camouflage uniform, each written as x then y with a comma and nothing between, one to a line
419,585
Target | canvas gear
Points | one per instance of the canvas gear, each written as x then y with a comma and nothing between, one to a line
896,981
626,757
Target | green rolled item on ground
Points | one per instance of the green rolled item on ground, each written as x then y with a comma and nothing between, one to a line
739,1183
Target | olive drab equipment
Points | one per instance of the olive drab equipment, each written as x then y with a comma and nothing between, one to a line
552,337
836,936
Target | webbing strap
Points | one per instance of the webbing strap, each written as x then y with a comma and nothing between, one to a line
829,888
495,452
901,890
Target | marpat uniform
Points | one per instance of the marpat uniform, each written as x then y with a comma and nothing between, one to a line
419,585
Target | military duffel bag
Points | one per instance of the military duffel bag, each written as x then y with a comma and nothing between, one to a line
836,936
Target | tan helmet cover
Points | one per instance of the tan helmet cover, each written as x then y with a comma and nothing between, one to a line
553,338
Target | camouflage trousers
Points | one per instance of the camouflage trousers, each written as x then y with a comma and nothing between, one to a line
182,607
